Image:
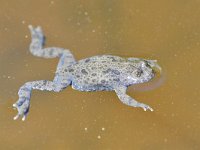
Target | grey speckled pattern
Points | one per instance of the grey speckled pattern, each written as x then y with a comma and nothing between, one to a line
97,73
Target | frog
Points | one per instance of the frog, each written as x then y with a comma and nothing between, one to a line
96,73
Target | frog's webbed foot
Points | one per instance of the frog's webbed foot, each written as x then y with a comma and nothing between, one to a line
22,106
23,103
144,106
124,98
36,33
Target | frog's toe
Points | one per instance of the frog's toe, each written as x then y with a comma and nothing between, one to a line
34,29
22,106
36,32
30,27
18,115
145,107
24,118
38,29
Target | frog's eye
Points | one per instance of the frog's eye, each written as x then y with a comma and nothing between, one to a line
154,64
146,64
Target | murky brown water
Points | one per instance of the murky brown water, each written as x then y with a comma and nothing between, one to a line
168,31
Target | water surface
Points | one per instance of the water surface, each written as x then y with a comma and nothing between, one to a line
168,31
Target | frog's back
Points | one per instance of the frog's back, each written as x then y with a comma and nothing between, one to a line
99,58
97,73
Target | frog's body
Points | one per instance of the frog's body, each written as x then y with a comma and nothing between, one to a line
104,72
97,73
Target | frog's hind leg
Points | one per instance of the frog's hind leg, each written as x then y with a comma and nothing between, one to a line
61,79
22,105
37,43
60,82
124,98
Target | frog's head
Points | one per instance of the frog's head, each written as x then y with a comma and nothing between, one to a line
144,69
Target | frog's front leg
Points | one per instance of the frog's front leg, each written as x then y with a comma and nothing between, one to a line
124,98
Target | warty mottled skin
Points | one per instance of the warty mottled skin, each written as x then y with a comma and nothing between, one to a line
97,73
